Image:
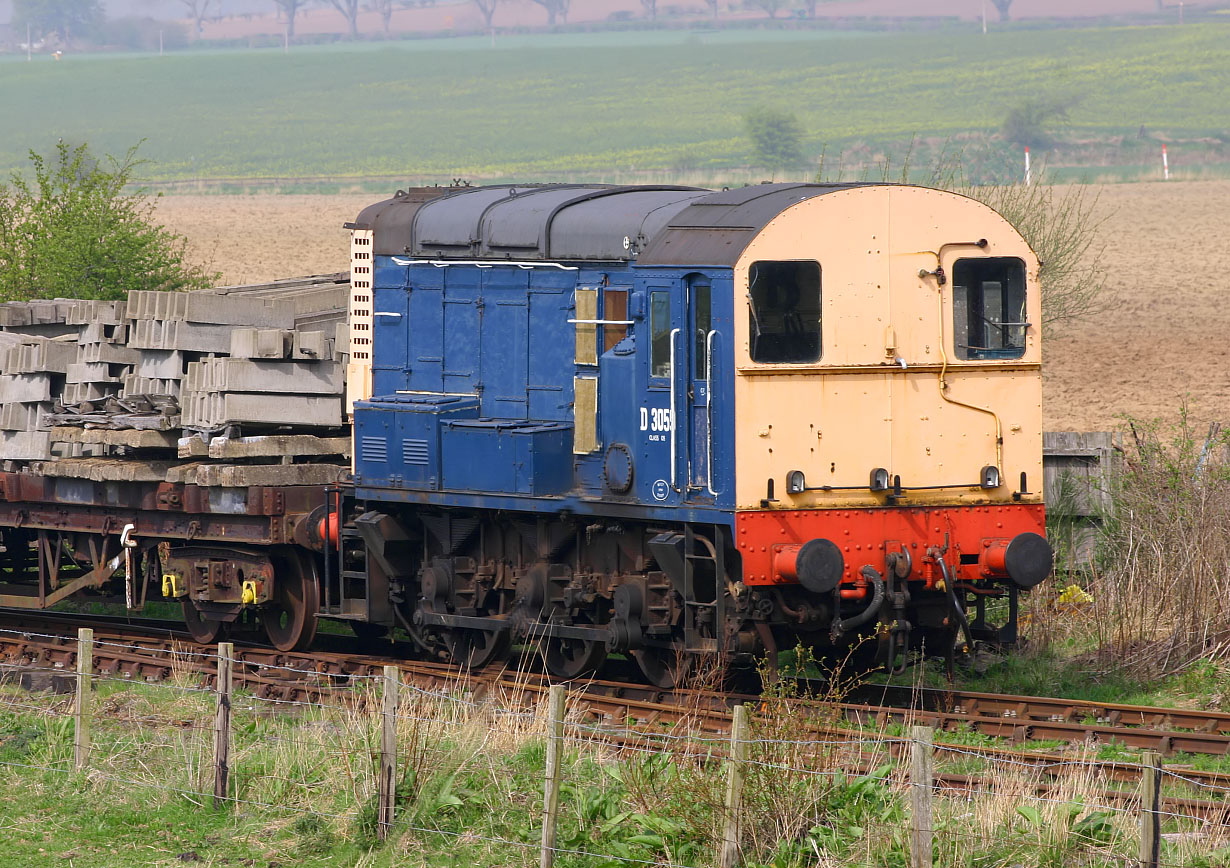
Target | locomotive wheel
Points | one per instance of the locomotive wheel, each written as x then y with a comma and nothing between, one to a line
203,629
569,658
474,649
664,667
290,617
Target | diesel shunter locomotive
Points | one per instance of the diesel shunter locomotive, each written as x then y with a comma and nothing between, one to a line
661,422
669,422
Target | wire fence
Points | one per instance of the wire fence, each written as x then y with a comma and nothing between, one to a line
498,784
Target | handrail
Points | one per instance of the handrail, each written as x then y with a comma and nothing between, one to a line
483,263
671,422
709,411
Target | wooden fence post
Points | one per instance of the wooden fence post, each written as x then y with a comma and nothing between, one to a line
1150,804
737,770
81,713
388,752
921,754
222,723
556,698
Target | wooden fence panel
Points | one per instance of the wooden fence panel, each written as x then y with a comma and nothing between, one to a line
1078,472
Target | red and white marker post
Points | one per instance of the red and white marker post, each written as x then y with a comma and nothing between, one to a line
1165,165
1028,173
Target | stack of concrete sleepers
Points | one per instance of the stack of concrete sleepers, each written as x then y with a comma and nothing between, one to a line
33,371
47,318
174,329
270,377
104,359
37,348
277,382
126,390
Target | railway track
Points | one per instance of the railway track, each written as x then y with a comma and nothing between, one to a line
309,675
631,711
1032,718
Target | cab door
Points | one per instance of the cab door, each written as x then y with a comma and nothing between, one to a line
699,393
677,413
664,413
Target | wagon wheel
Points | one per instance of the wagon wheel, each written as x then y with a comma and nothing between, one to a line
664,667
204,630
568,658
474,649
290,617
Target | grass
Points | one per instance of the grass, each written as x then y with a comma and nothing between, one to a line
1069,667
470,789
601,105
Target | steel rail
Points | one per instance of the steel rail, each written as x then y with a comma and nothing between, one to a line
1050,710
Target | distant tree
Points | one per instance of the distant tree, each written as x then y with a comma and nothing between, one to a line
776,136
141,34
772,7
487,7
810,6
713,7
63,19
350,11
289,9
385,9
1028,123
651,9
79,229
198,11
1001,6
555,9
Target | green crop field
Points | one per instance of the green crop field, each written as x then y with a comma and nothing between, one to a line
600,105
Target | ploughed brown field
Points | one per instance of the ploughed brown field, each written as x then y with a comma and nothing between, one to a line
1164,336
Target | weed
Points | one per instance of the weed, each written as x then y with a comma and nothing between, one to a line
314,835
1162,592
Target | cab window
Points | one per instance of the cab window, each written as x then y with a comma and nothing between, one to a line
702,299
660,334
784,311
988,307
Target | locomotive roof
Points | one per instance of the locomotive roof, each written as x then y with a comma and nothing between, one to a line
654,225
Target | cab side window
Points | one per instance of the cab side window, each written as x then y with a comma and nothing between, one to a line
784,311
660,334
702,308
988,308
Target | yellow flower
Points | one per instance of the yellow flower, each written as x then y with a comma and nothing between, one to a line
1076,595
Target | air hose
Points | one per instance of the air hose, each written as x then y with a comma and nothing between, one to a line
873,608
956,604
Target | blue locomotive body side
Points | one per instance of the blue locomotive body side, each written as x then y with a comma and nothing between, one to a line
542,387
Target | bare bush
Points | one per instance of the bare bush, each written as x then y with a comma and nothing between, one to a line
1162,587
1061,225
